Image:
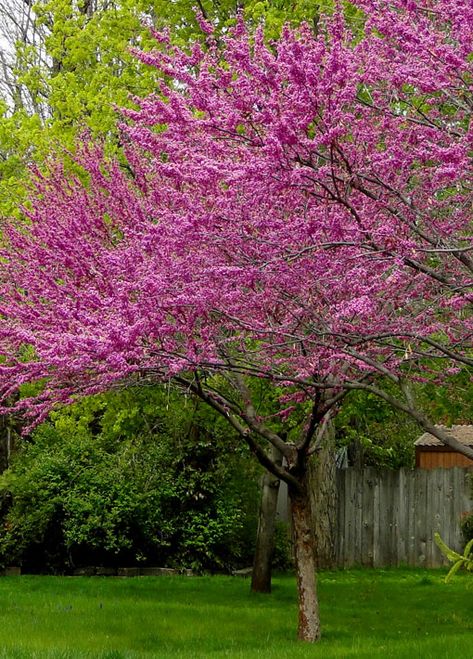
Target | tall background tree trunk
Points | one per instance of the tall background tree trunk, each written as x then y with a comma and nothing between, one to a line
6,442
309,621
261,576
323,494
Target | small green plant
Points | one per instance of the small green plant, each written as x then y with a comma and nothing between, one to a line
458,560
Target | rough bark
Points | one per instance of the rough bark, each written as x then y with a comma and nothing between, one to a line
261,575
309,621
323,493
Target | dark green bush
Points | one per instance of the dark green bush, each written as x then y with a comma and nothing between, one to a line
130,478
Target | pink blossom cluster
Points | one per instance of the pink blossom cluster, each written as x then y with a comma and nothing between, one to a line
299,210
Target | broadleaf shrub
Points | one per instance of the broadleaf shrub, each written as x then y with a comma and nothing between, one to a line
85,490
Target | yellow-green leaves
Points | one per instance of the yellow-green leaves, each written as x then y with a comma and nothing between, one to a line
459,560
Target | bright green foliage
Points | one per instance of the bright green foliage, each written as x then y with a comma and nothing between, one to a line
90,68
374,433
127,479
82,70
277,12
451,403
20,137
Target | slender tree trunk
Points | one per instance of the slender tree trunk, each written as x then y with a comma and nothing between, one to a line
323,493
261,576
309,621
6,442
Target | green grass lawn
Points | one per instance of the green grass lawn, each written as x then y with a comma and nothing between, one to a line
382,613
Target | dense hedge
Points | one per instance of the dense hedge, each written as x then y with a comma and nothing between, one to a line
130,478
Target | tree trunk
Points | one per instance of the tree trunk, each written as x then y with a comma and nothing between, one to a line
261,576
6,441
309,621
323,493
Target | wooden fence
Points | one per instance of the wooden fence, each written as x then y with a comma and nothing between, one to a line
390,517
387,518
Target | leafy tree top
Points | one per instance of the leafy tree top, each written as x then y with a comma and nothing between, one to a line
66,64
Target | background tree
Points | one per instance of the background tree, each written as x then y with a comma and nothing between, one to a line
65,65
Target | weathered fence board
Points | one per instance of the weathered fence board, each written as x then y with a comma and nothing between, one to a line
390,517
386,517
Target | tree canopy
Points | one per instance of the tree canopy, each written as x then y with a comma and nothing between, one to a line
291,196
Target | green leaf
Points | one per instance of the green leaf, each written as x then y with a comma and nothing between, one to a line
446,551
453,570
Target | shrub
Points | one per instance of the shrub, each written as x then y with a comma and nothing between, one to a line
128,479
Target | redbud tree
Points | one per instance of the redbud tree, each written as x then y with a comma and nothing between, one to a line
298,211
